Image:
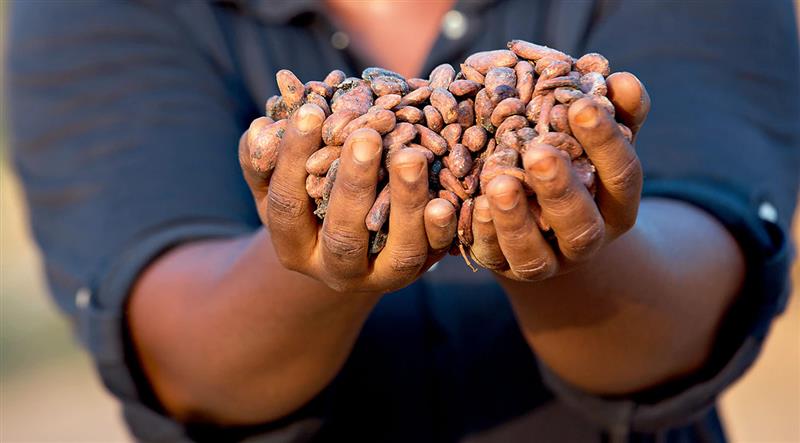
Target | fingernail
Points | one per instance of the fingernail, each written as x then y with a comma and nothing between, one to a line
309,117
442,222
544,168
506,200
365,151
410,171
587,116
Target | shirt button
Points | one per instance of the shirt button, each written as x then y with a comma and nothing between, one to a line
82,298
767,212
454,25
340,40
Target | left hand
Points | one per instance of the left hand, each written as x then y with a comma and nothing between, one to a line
507,239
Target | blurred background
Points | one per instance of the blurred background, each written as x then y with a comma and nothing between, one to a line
49,391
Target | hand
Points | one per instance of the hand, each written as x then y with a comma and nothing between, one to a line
336,251
507,238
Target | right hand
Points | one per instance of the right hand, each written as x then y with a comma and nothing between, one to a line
336,250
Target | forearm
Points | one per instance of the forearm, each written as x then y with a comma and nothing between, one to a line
643,310
223,331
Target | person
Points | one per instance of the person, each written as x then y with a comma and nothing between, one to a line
218,308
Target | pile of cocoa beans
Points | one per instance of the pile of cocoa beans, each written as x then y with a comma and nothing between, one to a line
472,125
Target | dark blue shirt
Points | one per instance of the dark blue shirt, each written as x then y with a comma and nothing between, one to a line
125,118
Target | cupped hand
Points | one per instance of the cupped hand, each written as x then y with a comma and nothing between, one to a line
507,238
336,250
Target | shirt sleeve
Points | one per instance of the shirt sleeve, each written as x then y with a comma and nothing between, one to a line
125,135
723,134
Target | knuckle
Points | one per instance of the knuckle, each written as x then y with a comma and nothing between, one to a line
282,207
353,188
585,240
534,269
343,244
560,198
626,177
407,260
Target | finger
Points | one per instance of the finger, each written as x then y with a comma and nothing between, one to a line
566,204
618,168
292,224
485,248
440,224
257,182
630,98
407,244
344,241
528,254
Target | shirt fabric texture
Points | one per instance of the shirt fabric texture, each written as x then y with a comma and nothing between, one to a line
125,118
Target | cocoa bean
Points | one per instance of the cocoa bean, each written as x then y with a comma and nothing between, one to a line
483,110
314,186
556,68
451,183
450,197
524,72
319,162
388,101
334,78
593,62
417,96
568,95
452,134
562,141
483,61
320,88
466,113
505,109
464,228
372,73
559,120
431,140
401,134
442,76
445,103
532,51
382,121
332,128
497,77
459,161
544,86
416,83
585,171
464,87
593,83
276,109
316,99
474,138
409,114
292,89
433,118
264,144
384,85
379,213
471,73
511,123
358,98
543,124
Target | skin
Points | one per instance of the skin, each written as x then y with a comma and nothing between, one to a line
247,330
